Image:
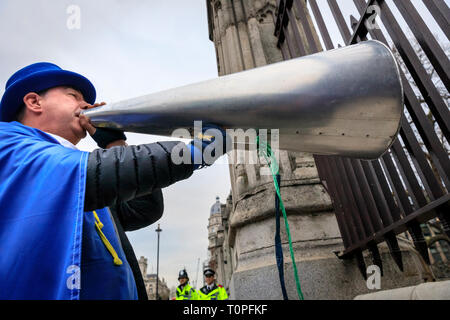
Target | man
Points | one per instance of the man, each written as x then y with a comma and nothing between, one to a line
184,290
64,212
212,291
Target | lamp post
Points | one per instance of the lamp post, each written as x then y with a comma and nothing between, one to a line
157,263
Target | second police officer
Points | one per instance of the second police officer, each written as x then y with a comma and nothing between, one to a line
212,291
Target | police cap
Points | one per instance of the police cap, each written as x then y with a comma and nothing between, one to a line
209,272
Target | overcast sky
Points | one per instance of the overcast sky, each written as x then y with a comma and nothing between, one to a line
127,49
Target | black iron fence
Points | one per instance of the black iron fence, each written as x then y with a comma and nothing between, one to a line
374,201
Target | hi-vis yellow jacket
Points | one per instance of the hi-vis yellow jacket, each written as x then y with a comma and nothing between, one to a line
217,292
186,293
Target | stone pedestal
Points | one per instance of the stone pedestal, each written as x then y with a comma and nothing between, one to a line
322,275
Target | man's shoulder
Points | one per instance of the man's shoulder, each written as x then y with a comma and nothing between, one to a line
25,147
15,130
12,128
221,288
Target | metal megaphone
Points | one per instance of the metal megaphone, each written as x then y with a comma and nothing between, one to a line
346,102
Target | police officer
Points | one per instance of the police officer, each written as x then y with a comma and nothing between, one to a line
212,291
184,290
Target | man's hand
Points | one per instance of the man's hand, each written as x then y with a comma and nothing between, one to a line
105,138
203,148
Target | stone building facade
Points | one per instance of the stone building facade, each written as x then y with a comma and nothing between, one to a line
150,282
219,255
243,35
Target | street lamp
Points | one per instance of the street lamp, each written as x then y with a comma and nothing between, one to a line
157,263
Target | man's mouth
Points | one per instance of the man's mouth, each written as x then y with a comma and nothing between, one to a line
77,113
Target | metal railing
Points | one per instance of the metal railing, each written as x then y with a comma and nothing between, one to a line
374,201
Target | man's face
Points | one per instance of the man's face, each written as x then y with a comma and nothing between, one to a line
209,279
61,107
182,281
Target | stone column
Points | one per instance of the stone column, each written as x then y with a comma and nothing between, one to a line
243,33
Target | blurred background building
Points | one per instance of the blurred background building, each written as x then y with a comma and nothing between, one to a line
150,282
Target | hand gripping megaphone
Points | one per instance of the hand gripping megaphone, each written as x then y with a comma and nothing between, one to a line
346,102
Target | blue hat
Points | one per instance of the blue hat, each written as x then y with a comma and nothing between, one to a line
38,77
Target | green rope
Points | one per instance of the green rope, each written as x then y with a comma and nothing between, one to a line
266,151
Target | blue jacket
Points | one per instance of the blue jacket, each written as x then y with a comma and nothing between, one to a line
49,247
